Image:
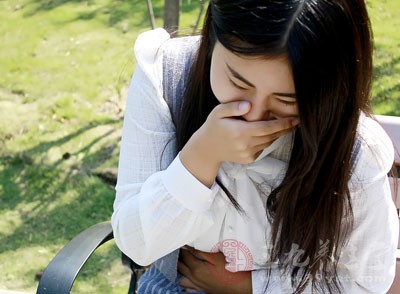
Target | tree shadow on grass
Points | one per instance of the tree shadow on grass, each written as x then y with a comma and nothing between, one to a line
386,70
113,12
391,102
27,178
53,202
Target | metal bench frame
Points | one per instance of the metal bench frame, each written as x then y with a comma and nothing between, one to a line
60,274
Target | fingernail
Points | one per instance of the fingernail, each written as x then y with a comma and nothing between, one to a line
295,122
244,105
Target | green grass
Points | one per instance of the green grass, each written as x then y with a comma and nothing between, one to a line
385,18
64,70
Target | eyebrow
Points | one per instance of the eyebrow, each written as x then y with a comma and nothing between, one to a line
241,78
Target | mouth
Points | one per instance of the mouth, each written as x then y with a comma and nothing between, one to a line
267,119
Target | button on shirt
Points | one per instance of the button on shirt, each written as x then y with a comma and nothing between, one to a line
160,206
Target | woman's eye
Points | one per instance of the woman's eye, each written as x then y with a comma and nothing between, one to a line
236,85
286,102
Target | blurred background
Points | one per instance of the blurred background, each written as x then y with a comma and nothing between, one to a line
65,67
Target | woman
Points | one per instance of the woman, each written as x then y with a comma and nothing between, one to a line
254,143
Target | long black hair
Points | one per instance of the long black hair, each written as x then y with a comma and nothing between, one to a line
329,46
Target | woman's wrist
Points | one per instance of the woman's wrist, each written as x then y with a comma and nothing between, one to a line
198,160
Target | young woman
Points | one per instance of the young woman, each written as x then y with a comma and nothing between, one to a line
249,161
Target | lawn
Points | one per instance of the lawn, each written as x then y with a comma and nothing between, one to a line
64,70
385,18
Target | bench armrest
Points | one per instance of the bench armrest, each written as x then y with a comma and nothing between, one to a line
391,124
60,274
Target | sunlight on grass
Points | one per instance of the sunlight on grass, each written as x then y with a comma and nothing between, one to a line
111,277
385,19
18,266
65,67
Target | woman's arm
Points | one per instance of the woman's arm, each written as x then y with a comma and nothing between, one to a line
172,207
158,201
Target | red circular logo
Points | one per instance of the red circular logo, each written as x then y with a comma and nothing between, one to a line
238,257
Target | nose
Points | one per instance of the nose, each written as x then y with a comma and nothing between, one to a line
259,110
253,116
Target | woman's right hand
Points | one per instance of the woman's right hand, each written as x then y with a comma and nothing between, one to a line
225,137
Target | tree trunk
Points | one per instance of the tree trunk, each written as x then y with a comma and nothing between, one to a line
151,14
172,10
202,4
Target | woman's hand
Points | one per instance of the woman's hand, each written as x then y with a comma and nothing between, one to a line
206,272
231,139
224,137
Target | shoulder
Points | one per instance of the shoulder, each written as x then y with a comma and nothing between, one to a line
182,46
162,62
153,48
147,48
151,45
375,153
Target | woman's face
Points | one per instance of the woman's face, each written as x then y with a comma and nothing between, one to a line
266,83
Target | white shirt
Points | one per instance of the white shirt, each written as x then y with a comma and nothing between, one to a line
160,206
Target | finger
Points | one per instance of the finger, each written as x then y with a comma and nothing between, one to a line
184,270
266,141
258,144
211,257
189,259
189,285
230,109
258,149
185,282
259,152
263,128
189,290
269,139
192,251
189,279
